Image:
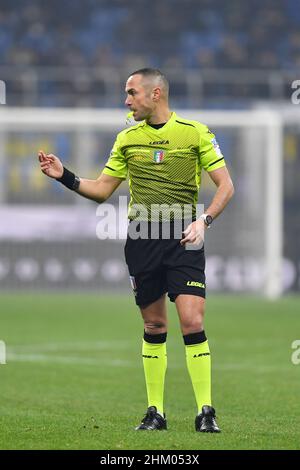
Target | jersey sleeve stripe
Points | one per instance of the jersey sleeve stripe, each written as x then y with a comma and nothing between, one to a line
216,161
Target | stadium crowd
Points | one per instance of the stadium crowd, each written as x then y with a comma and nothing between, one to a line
79,52
206,33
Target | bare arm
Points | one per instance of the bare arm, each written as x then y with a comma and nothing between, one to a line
98,190
225,190
224,193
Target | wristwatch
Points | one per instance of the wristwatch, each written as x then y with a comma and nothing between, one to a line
207,219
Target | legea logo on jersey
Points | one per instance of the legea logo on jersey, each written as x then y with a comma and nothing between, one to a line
158,156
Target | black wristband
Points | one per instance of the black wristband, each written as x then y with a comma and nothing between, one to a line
69,179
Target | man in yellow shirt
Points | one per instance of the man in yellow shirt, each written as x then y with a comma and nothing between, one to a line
163,156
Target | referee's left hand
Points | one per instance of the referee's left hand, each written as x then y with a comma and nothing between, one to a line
194,233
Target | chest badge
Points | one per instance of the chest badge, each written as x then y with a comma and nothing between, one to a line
158,156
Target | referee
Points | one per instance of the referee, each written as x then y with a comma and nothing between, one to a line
163,156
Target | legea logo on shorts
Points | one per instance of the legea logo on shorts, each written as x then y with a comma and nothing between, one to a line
195,284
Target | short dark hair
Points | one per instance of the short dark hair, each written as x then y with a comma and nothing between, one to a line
153,73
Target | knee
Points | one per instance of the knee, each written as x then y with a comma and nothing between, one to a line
189,328
155,326
192,324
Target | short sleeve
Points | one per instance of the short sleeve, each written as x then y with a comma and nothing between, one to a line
210,154
116,165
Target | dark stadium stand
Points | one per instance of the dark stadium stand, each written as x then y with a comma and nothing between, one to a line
197,36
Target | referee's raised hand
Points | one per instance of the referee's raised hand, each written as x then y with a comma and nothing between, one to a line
50,165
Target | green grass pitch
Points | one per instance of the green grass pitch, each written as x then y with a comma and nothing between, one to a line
74,377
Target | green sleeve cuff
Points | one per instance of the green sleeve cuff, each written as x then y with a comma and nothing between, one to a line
217,165
115,173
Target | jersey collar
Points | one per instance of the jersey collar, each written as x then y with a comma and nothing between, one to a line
165,127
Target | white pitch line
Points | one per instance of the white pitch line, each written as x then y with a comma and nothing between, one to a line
71,346
98,362
18,357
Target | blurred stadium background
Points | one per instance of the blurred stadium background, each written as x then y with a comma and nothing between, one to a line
230,65
218,56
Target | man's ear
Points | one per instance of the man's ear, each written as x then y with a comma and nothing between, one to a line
156,93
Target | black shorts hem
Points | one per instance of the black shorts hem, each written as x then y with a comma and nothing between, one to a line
199,293
145,303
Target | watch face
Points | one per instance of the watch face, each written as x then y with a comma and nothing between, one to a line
209,219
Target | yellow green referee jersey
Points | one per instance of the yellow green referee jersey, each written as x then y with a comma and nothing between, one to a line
164,165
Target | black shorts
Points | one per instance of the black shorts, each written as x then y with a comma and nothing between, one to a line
157,266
